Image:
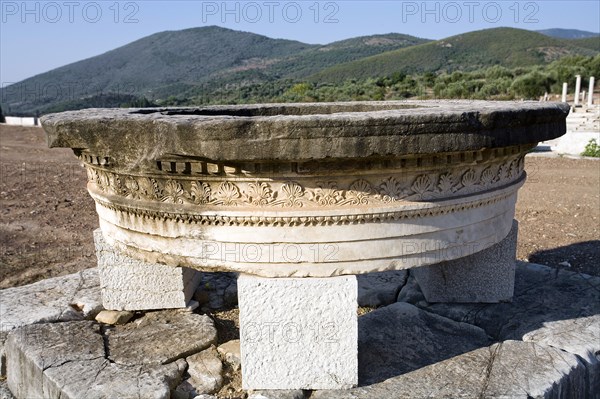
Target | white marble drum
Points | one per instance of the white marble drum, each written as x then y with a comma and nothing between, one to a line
306,190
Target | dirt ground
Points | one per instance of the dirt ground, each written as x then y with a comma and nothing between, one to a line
559,214
48,217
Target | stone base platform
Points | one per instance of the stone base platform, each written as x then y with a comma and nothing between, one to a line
544,344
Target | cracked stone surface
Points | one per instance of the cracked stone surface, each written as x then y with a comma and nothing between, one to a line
552,307
580,336
296,131
72,297
513,369
525,369
69,360
380,289
550,337
542,295
399,338
161,337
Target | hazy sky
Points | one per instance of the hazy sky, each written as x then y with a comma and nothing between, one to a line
36,36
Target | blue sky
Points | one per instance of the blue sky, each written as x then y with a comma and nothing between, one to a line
36,36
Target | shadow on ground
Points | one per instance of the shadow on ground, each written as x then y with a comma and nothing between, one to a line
580,255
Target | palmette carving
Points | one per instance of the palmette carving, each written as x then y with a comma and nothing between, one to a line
200,193
358,193
488,176
227,194
421,186
294,195
391,190
446,183
367,191
327,193
173,192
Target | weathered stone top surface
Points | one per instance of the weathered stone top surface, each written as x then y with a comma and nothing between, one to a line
306,131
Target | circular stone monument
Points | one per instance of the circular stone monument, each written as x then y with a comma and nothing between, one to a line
298,190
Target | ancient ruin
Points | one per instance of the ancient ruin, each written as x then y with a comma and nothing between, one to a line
299,198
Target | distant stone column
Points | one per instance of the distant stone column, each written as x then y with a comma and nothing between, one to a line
577,89
591,92
564,93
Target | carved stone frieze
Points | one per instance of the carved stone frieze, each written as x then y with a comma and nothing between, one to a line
307,220
369,190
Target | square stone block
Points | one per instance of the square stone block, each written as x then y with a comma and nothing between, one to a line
130,284
298,333
487,276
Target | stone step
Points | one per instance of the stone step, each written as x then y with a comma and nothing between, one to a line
542,344
83,359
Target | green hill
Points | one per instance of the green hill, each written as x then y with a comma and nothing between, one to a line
315,59
592,43
469,51
567,33
163,63
307,62
186,63
213,64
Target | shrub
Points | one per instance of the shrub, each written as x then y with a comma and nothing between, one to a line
592,149
532,85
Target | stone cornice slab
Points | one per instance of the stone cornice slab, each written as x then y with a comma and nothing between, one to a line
302,132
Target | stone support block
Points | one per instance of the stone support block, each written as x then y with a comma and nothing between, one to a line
130,284
298,333
486,276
